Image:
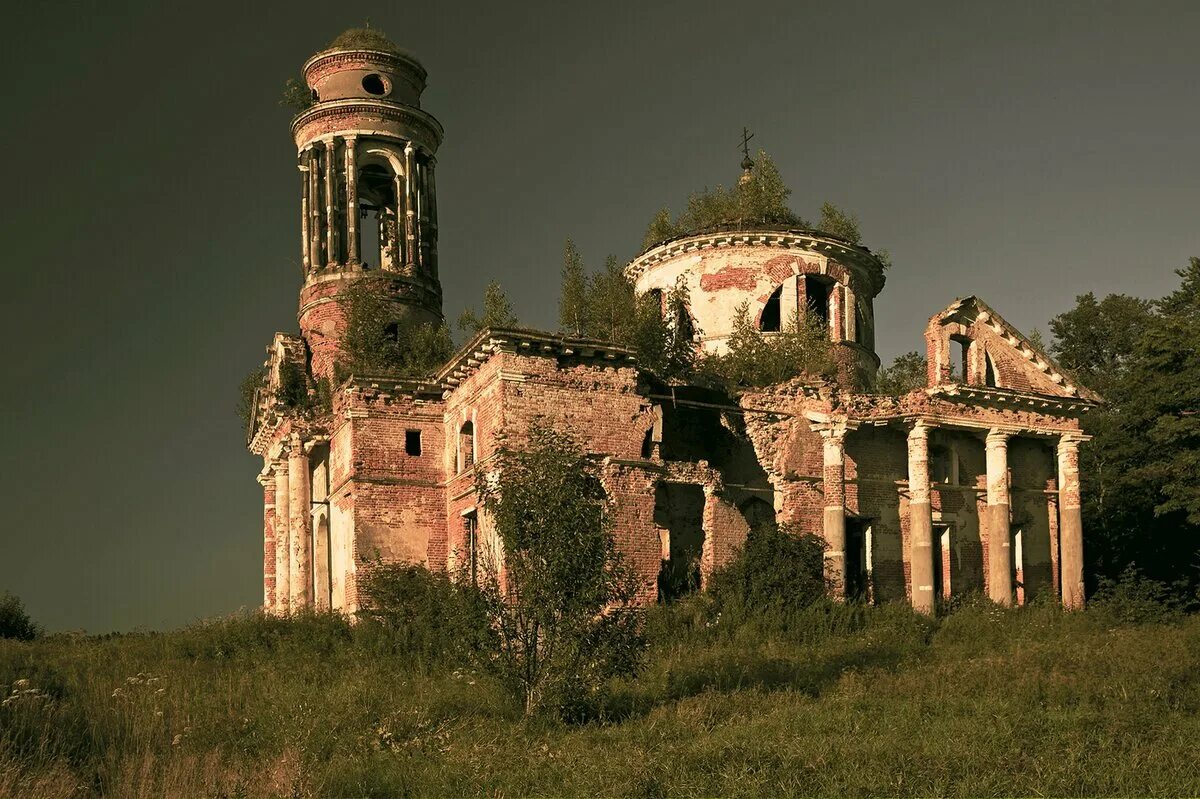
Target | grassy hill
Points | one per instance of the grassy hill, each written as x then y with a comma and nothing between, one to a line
836,701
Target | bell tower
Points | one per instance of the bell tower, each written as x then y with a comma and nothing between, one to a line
367,200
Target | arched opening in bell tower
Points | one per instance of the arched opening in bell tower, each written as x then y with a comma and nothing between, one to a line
379,236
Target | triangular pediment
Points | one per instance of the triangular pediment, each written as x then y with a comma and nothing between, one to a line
999,355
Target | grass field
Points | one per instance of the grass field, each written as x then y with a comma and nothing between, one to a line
839,701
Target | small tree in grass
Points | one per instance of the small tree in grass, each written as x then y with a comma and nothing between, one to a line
14,621
560,600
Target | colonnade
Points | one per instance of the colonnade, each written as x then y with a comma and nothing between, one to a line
330,231
922,562
288,538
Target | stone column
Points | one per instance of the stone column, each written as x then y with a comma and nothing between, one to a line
283,538
834,437
331,228
851,314
920,519
267,480
1070,522
300,524
410,203
433,225
352,252
314,210
304,238
397,243
1000,561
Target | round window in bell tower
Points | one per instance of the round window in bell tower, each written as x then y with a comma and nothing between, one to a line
376,85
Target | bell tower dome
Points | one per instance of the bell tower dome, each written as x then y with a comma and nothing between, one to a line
368,206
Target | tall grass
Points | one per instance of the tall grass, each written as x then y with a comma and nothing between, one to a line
837,700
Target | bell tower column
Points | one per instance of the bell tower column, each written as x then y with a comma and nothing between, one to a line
365,143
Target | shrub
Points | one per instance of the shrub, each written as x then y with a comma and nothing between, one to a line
246,408
778,572
296,96
839,223
1134,598
754,359
14,621
422,614
382,339
561,606
907,373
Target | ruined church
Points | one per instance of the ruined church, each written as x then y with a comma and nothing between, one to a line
970,484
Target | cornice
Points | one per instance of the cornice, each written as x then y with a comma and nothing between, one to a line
428,129
807,240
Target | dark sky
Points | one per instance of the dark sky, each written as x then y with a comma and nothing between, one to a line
1026,152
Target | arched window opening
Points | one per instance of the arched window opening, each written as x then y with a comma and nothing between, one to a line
378,218
679,321
960,347
816,299
769,320
466,446
989,373
757,512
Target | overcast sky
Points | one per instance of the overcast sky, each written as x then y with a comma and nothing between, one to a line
1025,152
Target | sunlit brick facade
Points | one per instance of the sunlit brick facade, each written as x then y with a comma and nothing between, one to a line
970,484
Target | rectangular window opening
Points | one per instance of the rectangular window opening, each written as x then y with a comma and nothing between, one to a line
412,442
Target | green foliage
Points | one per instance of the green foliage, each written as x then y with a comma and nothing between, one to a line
1095,341
1133,598
754,359
572,301
497,312
907,373
762,199
424,615
839,223
759,200
14,620
610,304
656,326
381,337
559,608
778,572
662,334
251,383
1140,474
660,229
367,38
293,386
297,96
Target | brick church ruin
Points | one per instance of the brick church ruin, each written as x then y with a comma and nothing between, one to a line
970,484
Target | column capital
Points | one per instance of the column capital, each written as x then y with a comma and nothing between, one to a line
997,437
1072,440
832,429
919,429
